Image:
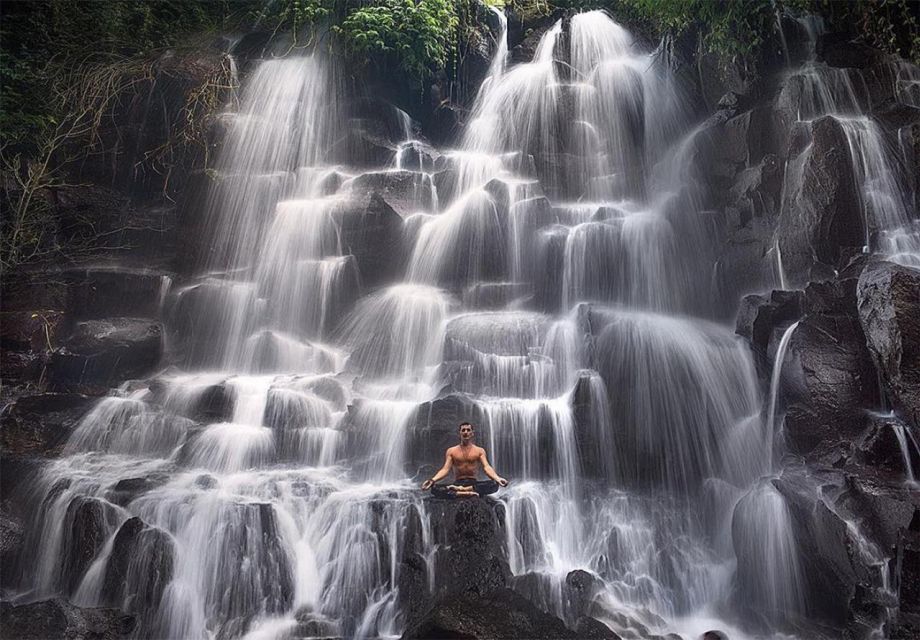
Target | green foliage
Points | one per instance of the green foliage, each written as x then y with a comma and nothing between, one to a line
417,33
890,25
64,64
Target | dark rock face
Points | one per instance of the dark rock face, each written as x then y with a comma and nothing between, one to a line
406,192
90,521
889,311
363,148
471,533
61,620
139,568
128,489
503,614
27,339
880,451
371,231
40,424
831,379
759,316
908,560
11,538
114,292
821,214
105,352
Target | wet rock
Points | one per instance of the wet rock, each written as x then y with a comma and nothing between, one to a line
759,316
757,190
359,147
579,591
115,292
125,491
27,339
106,352
889,311
109,225
495,295
470,560
828,376
589,414
880,449
406,192
821,216
503,614
39,424
215,404
848,54
11,538
588,627
446,123
371,231
88,524
417,156
252,561
382,119
907,555
36,330
139,568
714,634
63,621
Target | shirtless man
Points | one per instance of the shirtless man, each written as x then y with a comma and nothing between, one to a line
465,459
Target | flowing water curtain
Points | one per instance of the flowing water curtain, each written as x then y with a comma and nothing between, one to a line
294,444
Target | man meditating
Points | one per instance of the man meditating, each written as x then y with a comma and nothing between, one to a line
465,459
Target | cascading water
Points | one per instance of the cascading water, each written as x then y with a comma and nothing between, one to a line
270,476
815,90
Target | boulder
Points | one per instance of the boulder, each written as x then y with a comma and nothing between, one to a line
126,490
445,124
88,524
889,312
502,614
830,381
591,414
880,451
39,424
579,591
63,621
107,352
360,147
823,550
406,192
372,232
470,534
821,215
760,316
382,119
139,568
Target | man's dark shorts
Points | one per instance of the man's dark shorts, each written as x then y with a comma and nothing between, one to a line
482,487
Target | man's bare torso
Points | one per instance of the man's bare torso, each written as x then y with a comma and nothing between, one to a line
466,460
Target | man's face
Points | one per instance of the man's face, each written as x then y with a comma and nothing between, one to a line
466,433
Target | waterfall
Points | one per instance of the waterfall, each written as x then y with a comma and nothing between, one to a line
815,90
776,377
553,280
